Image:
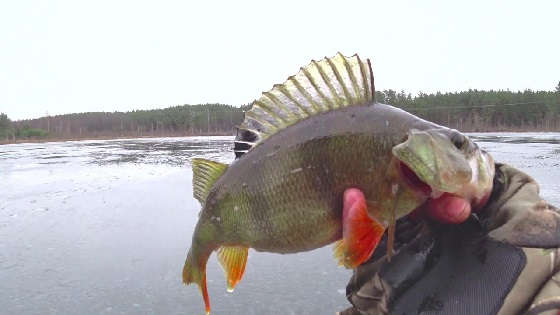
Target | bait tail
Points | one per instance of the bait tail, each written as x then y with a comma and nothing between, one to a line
360,233
391,238
233,260
194,271
393,222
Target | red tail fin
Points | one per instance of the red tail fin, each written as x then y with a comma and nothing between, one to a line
194,271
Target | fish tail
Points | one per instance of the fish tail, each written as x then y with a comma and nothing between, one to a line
194,271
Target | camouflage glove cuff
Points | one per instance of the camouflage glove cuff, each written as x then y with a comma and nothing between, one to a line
516,214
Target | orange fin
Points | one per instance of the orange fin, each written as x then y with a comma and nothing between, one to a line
233,260
360,233
196,273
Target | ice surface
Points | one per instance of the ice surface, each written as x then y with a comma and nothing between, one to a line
103,227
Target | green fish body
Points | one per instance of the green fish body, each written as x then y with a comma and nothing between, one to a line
299,150
285,195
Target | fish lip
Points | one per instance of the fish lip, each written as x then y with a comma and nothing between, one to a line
413,181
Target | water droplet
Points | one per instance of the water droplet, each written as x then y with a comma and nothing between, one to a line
394,189
244,185
297,170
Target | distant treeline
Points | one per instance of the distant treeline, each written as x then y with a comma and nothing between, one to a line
475,110
470,110
184,120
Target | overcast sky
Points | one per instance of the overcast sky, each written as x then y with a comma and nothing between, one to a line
75,56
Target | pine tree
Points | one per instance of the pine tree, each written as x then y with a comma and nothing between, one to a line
5,125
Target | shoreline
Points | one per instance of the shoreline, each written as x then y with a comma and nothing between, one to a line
64,139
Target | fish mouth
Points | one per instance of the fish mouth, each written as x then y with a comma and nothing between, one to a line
416,184
413,181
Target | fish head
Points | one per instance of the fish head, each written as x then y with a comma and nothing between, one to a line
446,161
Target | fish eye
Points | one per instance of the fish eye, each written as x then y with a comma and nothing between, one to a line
459,140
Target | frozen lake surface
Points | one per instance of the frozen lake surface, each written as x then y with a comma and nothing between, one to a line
103,227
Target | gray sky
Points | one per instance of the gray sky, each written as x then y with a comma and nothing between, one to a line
76,56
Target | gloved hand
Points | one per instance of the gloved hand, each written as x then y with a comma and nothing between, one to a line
491,264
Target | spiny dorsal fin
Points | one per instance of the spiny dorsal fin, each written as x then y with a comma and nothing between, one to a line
233,260
321,86
205,173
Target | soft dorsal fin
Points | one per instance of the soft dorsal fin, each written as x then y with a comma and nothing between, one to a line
205,173
319,87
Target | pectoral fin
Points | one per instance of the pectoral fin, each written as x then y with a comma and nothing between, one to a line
233,260
360,233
